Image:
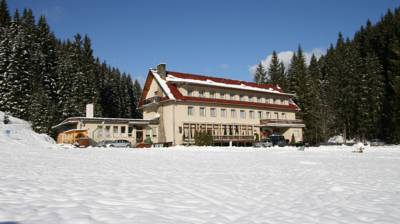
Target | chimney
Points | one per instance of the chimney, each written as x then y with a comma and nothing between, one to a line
89,110
161,70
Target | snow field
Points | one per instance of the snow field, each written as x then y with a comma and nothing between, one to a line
41,182
199,185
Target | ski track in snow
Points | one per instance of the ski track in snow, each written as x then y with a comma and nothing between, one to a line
198,185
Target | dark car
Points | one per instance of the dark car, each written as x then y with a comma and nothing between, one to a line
377,142
278,140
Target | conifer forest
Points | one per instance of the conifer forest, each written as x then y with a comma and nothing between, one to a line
352,90
44,79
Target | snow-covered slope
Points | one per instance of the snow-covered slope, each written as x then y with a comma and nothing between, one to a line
44,183
19,133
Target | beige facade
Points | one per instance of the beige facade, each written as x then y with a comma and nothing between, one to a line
230,114
109,129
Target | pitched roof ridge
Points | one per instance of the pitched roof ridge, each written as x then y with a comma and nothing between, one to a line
226,80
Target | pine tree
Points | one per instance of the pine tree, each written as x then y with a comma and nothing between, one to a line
5,18
260,76
276,71
313,102
18,76
5,51
137,92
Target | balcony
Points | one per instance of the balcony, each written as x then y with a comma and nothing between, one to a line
296,123
152,101
233,138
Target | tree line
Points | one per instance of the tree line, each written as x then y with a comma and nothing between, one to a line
353,90
44,79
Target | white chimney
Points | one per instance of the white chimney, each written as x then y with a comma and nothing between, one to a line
89,110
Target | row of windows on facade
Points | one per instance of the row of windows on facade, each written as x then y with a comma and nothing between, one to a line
202,93
243,113
122,130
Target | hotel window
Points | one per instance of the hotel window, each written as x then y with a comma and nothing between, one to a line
213,112
222,95
201,93
276,115
260,115
233,113
123,129
190,92
212,94
251,114
268,115
241,98
258,99
242,114
202,111
154,131
232,97
190,111
250,99
283,116
223,113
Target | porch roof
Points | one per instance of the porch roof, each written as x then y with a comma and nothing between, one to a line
297,123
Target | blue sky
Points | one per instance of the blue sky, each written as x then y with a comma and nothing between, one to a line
212,37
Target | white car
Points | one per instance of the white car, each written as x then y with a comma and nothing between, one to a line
263,143
120,144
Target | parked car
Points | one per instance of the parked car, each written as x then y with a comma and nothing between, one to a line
104,143
263,143
278,140
120,143
82,142
377,142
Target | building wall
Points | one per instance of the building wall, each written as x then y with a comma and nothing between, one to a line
155,90
99,131
174,114
297,132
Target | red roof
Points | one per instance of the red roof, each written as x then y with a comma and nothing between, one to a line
178,95
223,80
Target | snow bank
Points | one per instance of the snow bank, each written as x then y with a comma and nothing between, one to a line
19,133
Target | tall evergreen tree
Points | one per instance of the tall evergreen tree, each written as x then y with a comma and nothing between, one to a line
276,71
260,75
18,76
5,18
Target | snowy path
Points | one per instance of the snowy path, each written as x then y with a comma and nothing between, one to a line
329,185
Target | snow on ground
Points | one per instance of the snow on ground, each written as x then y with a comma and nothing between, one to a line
44,183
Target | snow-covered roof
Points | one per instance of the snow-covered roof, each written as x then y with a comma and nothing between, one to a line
74,120
163,84
209,82
170,88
